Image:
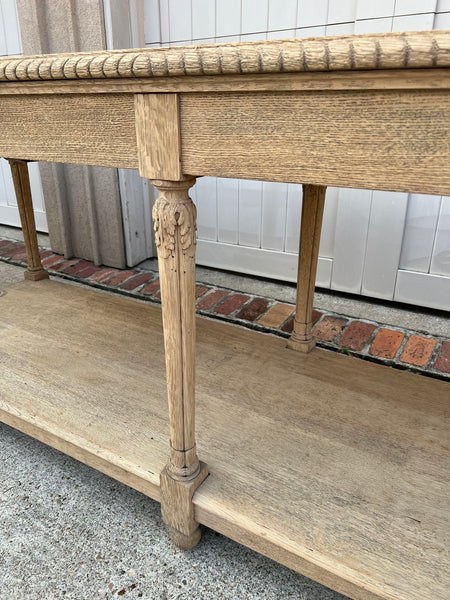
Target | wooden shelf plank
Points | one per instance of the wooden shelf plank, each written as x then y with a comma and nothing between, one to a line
336,467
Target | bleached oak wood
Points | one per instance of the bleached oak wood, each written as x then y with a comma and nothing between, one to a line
21,180
395,79
174,216
387,139
158,136
82,129
336,467
335,53
312,213
307,468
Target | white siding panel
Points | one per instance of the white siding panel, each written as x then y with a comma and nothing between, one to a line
311,14
342,11
227,210
204,194
152,26
352,224
228,17
203,19
250,212
180,21
305,32
327,240
13,44
443,6
340,29
254,15
257,261
420,22
293,217
411,7
442,21
423,289
368,9
282,14
164,21
440,262
383,25
274,204
384,243
420,230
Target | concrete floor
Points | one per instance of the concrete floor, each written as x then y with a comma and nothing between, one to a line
69,532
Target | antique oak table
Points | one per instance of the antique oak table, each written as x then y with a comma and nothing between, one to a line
333,466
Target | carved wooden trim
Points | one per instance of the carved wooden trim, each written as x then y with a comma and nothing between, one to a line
424,49
169,213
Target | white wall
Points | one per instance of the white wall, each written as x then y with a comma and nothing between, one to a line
368,237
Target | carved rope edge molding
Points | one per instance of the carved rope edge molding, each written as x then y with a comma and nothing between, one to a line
424,49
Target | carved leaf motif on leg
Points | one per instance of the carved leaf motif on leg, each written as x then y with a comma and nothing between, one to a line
167,216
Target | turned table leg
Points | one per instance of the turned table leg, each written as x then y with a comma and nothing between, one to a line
19,170
312,213
174,217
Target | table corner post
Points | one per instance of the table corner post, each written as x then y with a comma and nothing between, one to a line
302,338
21,179
174,216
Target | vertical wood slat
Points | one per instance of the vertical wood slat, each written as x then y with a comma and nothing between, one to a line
158,136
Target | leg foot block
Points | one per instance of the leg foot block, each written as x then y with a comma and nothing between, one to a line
36,275
177,508
182,541
301,345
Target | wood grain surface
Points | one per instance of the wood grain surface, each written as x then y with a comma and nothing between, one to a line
421,49
81,129
395,79
386,140
336,467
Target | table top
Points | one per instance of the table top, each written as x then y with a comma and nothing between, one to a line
410,50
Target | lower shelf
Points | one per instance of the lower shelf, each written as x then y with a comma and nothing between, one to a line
335,467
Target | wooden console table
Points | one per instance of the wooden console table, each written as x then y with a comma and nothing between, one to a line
333,466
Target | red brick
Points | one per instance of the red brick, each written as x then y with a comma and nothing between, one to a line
418,350
6,245
209,301
231,304
45,254
200,290
386,343
289,325
253,309
64,264
19,255
356,335
121,276
105,273
135,282
151,288
52,260
15,247
276,315
76,268
88,271
328,328
443,360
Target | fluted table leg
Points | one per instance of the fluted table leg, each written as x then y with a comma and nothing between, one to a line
174,217
19,170
312,213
